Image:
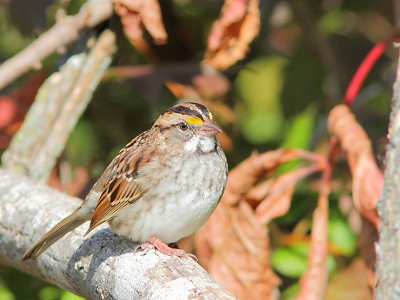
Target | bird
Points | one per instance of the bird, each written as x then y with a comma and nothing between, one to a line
161,187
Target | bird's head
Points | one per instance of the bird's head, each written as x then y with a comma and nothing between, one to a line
190,123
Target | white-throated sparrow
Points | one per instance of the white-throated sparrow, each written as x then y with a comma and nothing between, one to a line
160,188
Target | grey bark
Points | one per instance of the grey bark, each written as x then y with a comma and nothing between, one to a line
388,250
99,266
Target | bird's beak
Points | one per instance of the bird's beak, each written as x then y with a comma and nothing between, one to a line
209,128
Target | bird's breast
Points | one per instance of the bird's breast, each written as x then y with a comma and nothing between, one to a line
180,196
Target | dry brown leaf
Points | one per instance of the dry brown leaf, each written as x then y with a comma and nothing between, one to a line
234,245
138,13
130,19
367,178
278,193
313,282
232,33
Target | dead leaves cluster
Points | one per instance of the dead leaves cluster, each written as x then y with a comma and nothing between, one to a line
228,41
234,244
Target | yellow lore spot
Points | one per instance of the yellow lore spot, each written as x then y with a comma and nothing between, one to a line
194,120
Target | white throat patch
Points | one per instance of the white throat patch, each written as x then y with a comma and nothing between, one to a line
205,143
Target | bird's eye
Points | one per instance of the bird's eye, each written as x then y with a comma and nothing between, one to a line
183,126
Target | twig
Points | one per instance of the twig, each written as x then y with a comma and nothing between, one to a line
388,261
63,32
99,266
363,70
58,105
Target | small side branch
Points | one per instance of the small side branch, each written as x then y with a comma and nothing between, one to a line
63,32
100,266
58,105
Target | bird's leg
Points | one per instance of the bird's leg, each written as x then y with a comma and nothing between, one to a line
155,242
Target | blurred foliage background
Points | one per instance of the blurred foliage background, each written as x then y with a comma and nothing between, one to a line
278,96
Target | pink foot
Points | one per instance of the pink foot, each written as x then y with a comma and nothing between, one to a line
154,242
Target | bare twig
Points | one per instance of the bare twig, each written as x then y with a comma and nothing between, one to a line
63,32
58,105
388,260
100,266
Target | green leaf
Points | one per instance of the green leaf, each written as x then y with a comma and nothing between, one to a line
290,292
291,261
70,296
50,293
260,127
300,129
332,21
342,237
259,86
6,294
298,135
11,40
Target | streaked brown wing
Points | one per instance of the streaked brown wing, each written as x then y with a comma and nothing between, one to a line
122,189
117,195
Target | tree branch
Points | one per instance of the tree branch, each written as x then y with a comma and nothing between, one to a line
388,260
58,105
63,32
99,266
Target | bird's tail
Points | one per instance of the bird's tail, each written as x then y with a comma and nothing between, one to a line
57,232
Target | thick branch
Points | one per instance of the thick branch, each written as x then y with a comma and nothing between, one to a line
100,266
63,32
388,263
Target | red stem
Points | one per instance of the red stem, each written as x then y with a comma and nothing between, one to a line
363,70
